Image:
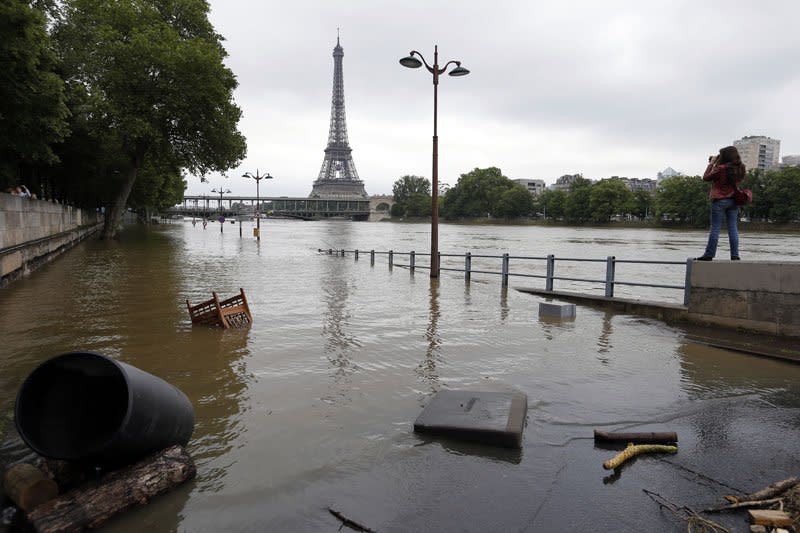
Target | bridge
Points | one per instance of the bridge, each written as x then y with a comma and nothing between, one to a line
304,208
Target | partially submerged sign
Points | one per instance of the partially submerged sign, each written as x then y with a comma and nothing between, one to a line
496,418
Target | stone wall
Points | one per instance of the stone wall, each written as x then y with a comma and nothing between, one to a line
760,296
32,232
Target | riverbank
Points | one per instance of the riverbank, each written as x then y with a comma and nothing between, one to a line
760,227
34,232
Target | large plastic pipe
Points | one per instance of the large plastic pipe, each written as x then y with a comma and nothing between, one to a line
87,407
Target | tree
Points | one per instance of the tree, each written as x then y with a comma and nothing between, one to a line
608,198
410,192
33,115
550,203
476,194
757,181
782,190
154,85
576,206
641,204
514,202
684,198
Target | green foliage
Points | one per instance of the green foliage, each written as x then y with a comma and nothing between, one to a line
683,198
577,206
33,115
482,193
514,202
550,203
642,204
412,197
781,190
608,198
150,85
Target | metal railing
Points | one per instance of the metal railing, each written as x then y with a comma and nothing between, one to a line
609,282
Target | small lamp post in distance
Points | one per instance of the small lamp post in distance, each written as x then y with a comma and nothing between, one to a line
221,192
412,62
258,177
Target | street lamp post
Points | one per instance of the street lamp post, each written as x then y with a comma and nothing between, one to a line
258,177
221,192
413,62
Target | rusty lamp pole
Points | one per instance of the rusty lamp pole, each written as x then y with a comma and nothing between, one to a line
413,62
258,177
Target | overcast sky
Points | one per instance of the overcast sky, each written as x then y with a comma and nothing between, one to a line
602,88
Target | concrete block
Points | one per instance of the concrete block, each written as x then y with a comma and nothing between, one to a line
496,418
790,278
718,302
763,306
737,275
790,310
556,310
9,263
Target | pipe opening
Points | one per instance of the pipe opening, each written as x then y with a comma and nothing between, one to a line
72,405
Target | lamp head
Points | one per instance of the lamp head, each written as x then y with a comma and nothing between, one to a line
247,175
411,62
459,70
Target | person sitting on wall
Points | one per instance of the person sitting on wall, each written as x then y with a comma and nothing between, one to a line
24,192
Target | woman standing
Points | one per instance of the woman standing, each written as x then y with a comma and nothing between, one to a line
725,171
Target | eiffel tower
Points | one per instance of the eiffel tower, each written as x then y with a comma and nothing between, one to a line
338,176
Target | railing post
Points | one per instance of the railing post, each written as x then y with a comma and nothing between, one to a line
355,254
411,260
610,265
372,258
505,270
551,267
240,228
467,266
391,259
687,285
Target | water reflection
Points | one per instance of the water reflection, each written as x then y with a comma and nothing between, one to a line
503,304
604,345
427,369
338,341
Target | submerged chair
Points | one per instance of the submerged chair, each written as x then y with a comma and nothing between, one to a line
231,313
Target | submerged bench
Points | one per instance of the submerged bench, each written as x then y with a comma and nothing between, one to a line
231,313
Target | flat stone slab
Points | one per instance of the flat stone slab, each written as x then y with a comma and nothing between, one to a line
555,310
496,418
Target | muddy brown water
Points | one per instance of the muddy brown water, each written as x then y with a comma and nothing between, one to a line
312,407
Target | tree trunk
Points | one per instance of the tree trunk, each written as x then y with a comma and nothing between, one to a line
117,205
93,504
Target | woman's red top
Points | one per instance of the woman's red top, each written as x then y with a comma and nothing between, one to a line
720,186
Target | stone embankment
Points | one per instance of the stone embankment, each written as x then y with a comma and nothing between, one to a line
33,232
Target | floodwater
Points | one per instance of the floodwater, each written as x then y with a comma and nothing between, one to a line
312,407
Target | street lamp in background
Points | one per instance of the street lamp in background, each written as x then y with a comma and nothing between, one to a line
413,62
258,177
221,216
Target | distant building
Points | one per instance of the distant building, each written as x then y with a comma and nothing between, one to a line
564,182
759,152
791,160
534,186
668,172
636,184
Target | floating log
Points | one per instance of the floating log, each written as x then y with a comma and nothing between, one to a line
28,487
639,438
637,449
768,492
231,313
66,474
93,504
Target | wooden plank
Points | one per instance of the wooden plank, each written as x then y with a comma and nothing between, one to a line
644,438
769,517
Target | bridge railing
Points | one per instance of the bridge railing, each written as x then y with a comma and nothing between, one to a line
609,281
